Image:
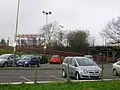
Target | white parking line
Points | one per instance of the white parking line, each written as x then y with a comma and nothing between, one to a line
25,78
57,78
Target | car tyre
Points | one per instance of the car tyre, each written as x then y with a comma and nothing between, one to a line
5,64
64,74
115,72
77,76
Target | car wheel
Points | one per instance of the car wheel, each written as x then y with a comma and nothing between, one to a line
64,74
5,64
77,76
115,72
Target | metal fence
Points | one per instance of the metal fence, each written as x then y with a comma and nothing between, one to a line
47,72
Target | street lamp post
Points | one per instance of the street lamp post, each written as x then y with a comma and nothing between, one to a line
16,30
46,13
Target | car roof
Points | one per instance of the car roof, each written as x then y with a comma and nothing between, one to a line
7,54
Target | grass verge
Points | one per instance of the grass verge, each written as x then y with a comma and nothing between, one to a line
106,85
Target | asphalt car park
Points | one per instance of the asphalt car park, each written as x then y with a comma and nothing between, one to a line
46,72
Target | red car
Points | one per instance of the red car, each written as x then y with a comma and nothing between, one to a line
56,59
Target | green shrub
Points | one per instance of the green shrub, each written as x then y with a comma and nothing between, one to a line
4,51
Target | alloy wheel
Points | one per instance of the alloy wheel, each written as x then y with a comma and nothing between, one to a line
63,73
115,72
77,76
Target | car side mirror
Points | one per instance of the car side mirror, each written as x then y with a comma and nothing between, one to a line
11,59
75,65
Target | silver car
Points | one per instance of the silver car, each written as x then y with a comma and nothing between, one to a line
116,68
80,67
8,59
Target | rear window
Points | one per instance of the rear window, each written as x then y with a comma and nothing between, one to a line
55,56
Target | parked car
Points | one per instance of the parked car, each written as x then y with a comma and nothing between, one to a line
28,60
8,60
80,67
40,59
116,68
56,59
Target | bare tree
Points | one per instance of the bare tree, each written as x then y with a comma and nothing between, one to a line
112,30
60,37
50,30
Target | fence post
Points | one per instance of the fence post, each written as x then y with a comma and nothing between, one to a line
14,58
68,79
107,57
102,66
113,56
35,74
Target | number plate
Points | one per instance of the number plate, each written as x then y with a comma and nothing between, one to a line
20,64
94,75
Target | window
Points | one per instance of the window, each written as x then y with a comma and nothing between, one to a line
34,59
67,60
55,56
11,57
73,63
118,63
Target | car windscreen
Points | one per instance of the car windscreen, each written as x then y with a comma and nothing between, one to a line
85,62
26,57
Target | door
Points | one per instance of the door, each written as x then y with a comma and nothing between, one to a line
10,60
73,67
118,67
65,65
34,60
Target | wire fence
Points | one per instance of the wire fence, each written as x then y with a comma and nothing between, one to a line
48,72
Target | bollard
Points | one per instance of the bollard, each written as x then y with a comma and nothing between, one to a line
35,74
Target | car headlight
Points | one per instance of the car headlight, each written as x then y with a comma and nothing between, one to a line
26,62
84,71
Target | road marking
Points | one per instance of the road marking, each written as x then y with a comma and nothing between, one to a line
57,78
25,78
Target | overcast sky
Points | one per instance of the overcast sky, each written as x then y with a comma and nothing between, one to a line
92,15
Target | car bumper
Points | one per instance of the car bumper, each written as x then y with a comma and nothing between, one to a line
91,75
55,61
22,64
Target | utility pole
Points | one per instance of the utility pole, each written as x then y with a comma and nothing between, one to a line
16,30
45,45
